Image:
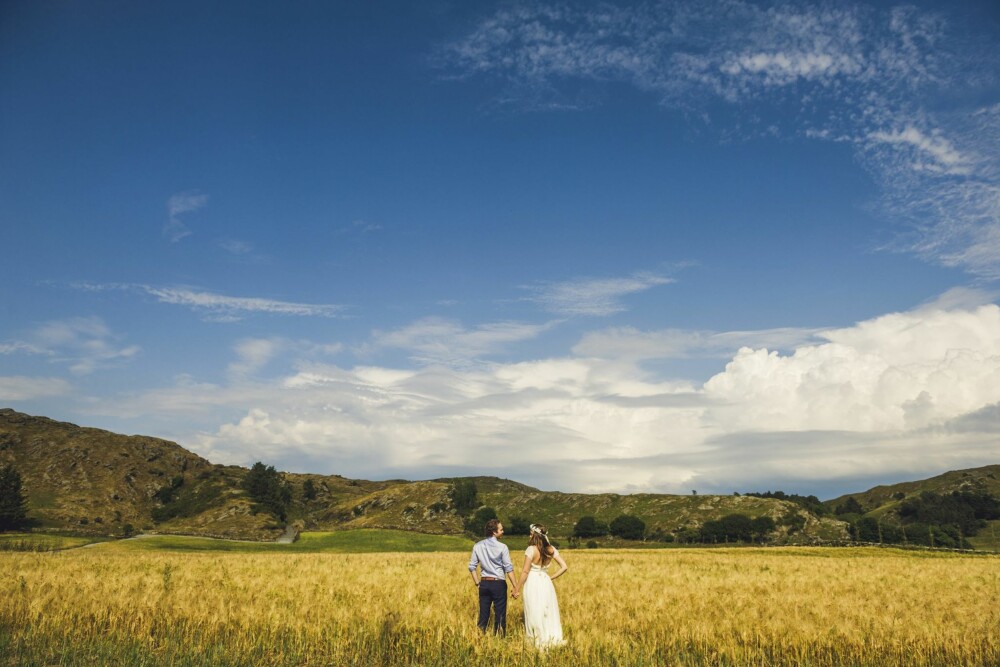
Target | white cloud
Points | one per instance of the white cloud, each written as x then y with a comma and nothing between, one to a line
630,343
896,372
253,354
220,307
21,388
943,156
598,297
235,305
905,394
236,247
85,343
441,340
845,72
178,205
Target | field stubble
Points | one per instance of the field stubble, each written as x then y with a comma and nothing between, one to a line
688,607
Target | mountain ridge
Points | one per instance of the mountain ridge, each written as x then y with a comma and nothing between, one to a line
95,481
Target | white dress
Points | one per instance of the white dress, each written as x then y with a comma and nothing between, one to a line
541,609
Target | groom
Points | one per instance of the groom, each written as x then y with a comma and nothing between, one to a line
493,558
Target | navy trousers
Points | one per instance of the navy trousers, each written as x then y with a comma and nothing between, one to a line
493,593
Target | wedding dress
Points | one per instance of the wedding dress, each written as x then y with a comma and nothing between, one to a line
541,609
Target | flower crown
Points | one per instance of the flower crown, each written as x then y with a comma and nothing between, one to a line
535,529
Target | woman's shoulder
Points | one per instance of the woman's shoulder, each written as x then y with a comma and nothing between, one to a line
530,550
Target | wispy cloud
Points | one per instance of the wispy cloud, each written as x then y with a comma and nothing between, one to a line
635,345
598,297
843,72
22,388
178,205
85,344
253,354
219,306
440,340
936,153
360,227
235,247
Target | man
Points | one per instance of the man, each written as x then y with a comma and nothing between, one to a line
493,558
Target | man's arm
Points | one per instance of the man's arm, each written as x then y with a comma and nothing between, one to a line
473,562
508,567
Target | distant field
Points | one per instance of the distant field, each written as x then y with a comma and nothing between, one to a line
44,541
123,604
345,541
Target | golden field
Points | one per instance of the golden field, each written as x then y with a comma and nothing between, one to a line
778,606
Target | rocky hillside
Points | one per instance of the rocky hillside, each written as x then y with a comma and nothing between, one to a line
95,481
885,498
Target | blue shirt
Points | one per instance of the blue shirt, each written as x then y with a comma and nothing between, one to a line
492,556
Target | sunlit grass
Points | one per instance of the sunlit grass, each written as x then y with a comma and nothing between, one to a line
44,541
346,541
718,606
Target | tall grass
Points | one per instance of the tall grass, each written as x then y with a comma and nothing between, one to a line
692,607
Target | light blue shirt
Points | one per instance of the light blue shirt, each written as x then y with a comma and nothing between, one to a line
492,556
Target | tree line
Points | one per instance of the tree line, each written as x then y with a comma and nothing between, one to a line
929,519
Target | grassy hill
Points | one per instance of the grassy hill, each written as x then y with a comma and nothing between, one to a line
96,482
884,498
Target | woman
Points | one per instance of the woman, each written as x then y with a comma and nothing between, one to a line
541,608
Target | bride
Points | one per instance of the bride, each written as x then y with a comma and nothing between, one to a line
541,608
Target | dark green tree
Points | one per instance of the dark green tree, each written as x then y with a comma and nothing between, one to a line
475,523
13,502
268,490
627,527
850,506
517,525
760,527
309,490
588,526
464,496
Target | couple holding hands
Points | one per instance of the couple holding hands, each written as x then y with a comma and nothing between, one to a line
541,608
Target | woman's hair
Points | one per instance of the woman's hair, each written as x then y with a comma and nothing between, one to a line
538,537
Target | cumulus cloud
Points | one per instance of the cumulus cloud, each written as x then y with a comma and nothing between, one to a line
596,297
178,205
900,395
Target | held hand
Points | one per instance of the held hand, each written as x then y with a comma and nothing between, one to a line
515,594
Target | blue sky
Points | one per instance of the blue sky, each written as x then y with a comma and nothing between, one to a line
592,247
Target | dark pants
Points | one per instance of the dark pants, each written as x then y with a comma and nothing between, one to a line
493,593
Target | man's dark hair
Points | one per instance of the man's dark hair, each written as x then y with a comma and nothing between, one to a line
491,527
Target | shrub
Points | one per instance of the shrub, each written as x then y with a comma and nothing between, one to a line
628,527
518,525
588,526
464,496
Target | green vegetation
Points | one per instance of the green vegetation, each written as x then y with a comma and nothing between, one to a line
268,490
589,526
627,527
345,541
44,541
13,502
811,504
464,496
187,500
930,519
474,525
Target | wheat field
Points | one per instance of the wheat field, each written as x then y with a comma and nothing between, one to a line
790,606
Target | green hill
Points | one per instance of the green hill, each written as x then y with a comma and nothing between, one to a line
101,483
